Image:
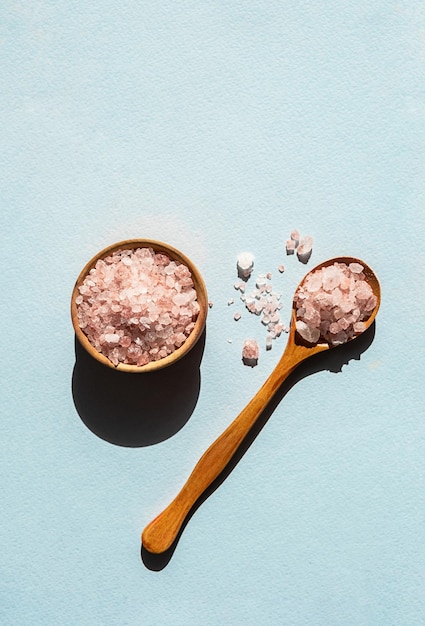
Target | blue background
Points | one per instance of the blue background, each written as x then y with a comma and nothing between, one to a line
216,127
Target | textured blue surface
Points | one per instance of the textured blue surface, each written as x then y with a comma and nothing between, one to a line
216,127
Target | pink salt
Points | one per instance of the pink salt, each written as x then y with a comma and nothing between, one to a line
290,246
327,311
295,236
305,248
250,352
137,306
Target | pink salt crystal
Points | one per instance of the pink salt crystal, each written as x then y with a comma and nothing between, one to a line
250,352
237,316
295,236
308,333
359,327
342,314
125,295
281,268
356,268
269,342
305,248
290,246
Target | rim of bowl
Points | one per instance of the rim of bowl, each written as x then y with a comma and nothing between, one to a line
201,294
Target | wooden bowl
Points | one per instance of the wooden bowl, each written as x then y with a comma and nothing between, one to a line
202,299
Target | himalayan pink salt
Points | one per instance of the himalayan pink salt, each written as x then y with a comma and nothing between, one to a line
295,236
327,311
265,302
240,286
250,352
237,316
290,246
137,306
305,248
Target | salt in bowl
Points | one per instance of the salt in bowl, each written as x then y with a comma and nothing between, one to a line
201,297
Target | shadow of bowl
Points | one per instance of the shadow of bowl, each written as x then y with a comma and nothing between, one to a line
136,411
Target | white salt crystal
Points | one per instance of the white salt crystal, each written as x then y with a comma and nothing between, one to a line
245,264
269,342
308,333
112,338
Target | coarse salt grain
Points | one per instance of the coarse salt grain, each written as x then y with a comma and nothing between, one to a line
265,302
137,306
290,246
250,352
245,264
333,304
295,236
305,248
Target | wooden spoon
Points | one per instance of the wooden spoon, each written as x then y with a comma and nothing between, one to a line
160,534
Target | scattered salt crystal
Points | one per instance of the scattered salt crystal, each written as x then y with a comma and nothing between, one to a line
250,352
290,246
237,316
245,264
269,342
281,268
295,236
136,306
305,248
210,304
230,301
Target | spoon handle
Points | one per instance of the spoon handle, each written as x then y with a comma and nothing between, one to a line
160,534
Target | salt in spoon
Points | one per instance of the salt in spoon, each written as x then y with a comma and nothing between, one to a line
160,533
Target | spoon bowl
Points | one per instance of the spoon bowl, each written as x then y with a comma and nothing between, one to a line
160,534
